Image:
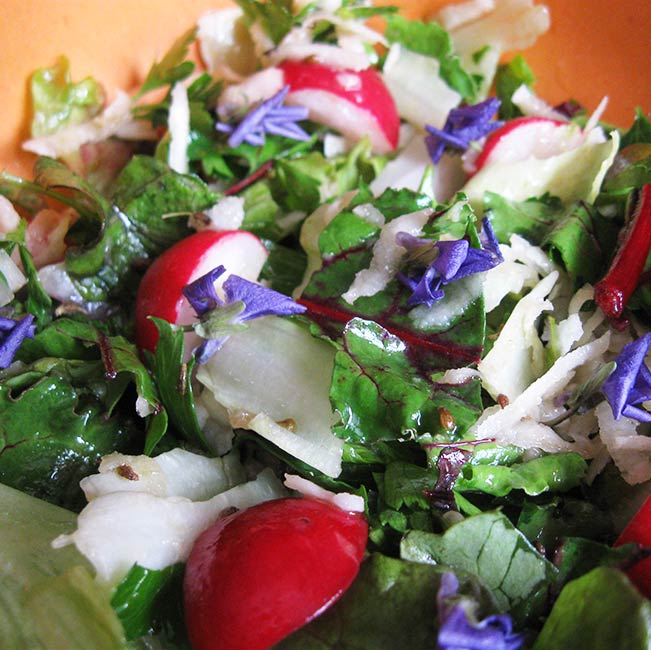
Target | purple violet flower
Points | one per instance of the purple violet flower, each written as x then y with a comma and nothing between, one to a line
455,260
630,383
12,334
458,632
245,301
270,116
462,126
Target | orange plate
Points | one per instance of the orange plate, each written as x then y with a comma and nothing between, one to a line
594,48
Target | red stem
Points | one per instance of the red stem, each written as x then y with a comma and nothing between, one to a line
249,180
613,291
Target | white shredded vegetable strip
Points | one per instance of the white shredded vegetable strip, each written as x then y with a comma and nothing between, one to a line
508,425
344,500
179,129
387,255
516,359
120,529
174,473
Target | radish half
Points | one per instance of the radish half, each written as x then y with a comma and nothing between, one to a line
353,102
526,137
160,292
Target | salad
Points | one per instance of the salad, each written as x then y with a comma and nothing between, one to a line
335,338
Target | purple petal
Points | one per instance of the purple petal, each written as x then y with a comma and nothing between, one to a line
14,332
473,113
628,379
224,128
435,147
286,130
270,116
458,632
462,126
201,293
477,261
294,113
489,240
427,290
255,138
450,138
258,300
411,242
452,254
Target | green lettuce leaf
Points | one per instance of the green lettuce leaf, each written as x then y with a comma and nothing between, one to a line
58,102
50,600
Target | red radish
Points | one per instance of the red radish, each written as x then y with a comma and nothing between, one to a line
525,137
160,292
258,575
354,102
638,531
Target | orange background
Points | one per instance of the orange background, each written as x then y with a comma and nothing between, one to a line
595,47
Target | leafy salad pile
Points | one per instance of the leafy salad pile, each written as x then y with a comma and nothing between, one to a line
454,334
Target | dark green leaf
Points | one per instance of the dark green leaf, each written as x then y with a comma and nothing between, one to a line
284,268
38,302
381,396
555,472
53,435
488,546
432,40
390,606
582,242
175,386
640,131
599,611
532,219
275,18
172,67
137,598
406,485
152,204
577,556
510,76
